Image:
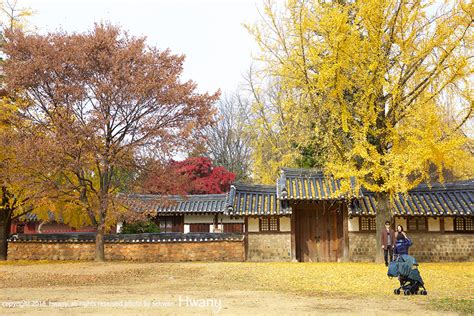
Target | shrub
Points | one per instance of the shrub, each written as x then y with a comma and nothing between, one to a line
140,227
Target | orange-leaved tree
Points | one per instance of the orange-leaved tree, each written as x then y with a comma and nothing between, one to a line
105,100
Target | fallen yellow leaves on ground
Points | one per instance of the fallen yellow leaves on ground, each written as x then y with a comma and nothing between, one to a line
442,280
450,285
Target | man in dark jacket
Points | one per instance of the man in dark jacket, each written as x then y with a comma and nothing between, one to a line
388,242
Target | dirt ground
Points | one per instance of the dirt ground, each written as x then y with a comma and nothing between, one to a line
219,288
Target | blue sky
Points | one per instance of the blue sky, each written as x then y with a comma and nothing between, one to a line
210,33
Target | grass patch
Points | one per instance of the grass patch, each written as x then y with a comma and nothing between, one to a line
35,262
461,306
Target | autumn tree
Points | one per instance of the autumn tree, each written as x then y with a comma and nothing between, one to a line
18,194
194,175
271,132
228,140
106,100
373,80
13,202
17,197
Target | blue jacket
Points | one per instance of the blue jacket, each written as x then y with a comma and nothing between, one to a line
402,245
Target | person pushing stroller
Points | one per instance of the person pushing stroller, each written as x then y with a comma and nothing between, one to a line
402,242
405,267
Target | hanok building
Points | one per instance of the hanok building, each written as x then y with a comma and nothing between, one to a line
30,223
187,214
303,218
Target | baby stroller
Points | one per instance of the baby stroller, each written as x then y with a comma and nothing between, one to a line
405,268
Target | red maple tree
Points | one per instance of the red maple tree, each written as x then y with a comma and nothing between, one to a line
195,175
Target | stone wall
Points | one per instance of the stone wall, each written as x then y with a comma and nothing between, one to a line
362,246
269,247
437,247
140,251
427,247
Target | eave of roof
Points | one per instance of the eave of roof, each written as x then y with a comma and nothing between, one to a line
310,184
176,204
448,199
255,200
127,238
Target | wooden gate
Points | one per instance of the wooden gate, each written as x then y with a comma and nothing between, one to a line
319,233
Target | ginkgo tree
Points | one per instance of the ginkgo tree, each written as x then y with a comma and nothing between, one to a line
271,129
22,170
17,194
384,85
14,198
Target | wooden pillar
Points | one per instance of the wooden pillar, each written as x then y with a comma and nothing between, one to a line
293,236
246,239
216,223
441,224
345,233
180,224
335,238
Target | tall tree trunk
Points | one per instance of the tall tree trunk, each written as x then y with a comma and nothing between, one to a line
99,242
5,222
99,238
383,214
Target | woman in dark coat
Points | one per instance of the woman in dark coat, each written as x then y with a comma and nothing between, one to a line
402,241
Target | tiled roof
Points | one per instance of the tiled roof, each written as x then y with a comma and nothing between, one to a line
175,204
299,184
307,184
32,217
128,238
439,200
246,199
